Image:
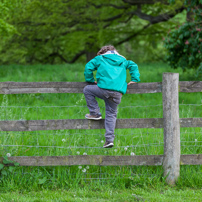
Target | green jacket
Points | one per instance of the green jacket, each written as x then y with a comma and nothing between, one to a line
111,72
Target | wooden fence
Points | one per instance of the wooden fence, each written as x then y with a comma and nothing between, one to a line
171,160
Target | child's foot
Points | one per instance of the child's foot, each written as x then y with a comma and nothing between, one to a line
108,145
93,117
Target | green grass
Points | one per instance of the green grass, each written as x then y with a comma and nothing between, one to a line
77,142
107,194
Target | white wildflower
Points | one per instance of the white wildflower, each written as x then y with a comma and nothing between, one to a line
115,150
125,148
84,170
78,152
102,141
80,167
8,155
84,153
63,140
80,100
132,154
195,140
87,167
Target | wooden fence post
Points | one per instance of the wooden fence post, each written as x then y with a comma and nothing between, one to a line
171,161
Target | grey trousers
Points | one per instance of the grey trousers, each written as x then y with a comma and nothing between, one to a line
112,100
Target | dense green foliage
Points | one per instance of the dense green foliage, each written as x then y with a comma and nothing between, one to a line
7,8
63,31
184,44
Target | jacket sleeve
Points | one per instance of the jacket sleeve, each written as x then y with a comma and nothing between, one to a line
134,72
89,68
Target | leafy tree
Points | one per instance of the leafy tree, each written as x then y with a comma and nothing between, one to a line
7,7
63,30
184,44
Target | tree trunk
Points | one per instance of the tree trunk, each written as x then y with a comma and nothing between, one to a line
90,55
190,14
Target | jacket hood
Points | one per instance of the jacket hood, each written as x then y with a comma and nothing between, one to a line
114,59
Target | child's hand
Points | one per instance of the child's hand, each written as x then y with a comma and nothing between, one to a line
131,82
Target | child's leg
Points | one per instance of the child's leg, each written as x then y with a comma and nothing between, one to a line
90,92
111,105
112,100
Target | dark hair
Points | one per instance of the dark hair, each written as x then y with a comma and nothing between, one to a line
104,49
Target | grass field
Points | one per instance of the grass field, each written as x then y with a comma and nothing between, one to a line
165,194
145,182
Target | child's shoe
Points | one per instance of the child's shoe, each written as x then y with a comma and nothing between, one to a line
93,117
108,144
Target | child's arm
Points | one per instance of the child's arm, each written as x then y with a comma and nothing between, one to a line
134,72
89,68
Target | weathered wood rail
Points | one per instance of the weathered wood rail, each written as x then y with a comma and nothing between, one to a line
149,160
171,160
34,125
75,87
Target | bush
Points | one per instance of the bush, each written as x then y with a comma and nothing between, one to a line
184,45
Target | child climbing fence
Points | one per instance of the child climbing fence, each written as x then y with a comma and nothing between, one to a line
171,123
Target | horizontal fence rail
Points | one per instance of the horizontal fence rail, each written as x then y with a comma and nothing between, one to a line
149,160
77,87
34,125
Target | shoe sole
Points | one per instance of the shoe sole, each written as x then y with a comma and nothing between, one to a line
94,118
109,145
